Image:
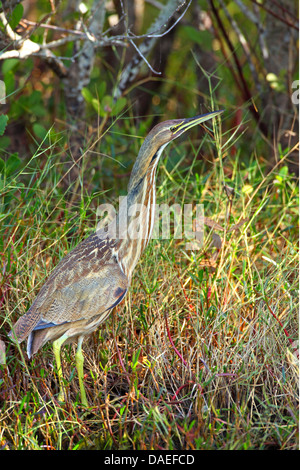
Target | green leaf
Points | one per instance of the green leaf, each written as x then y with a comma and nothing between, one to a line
284,170
3,122
16,16
101,90
2,165
87,95
35,97
95,104
135,358
106,105
12,164
119,105
9,64
203,38
4,142
9,80
39,130
276,82
38,110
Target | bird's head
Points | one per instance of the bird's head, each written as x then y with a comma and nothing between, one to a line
166,131
158,138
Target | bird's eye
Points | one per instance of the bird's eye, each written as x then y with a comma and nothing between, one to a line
174,129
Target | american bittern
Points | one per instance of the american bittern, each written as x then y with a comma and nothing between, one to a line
94,277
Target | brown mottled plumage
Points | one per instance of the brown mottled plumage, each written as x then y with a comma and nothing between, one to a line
83,286
94,277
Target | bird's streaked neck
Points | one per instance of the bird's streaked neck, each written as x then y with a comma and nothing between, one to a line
137,185
139,211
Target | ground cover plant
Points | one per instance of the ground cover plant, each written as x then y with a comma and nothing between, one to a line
203,352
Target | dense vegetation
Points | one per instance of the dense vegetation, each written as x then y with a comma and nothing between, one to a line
203,352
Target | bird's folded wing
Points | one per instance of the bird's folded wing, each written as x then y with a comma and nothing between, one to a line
89,296
87,282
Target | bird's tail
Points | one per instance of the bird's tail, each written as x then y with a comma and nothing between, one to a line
24,326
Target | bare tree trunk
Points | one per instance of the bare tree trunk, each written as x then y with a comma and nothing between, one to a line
78,77
154,34
280,115
205,58
281,61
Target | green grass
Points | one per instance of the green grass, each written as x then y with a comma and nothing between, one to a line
202,353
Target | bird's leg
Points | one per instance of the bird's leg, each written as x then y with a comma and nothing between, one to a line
56,349
79,364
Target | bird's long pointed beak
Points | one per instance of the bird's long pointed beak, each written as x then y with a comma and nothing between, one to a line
191,122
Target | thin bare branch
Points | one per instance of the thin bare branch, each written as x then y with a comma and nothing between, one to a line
280,18
243,43
144,58
51,26
255,20
154,32
158,33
